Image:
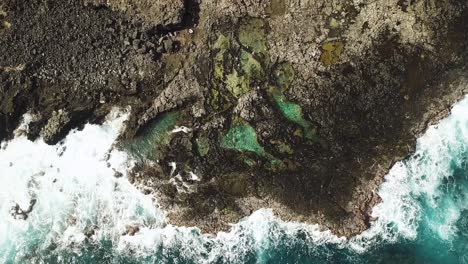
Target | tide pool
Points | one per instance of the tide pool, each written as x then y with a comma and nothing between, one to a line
81,211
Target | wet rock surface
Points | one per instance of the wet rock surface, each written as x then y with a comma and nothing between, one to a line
299,106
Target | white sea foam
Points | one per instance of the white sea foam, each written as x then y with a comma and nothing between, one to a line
74,185
75,188
182,129
416,182
262,231
76,191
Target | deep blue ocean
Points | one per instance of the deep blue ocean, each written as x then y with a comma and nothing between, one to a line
82,211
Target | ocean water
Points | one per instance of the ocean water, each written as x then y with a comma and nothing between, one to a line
80,210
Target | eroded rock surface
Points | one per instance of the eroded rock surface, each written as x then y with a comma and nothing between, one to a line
155,12
299,106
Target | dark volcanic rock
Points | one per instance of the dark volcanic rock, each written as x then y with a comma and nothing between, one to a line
155,12
66,55
300,106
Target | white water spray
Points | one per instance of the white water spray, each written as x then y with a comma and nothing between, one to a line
78,199
71,191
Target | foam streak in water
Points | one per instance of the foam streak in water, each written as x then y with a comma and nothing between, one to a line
71,191
417,192
77,196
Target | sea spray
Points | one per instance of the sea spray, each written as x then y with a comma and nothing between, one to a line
419,184
76,195
423,217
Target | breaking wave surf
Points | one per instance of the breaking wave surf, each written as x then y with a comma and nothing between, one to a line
82,205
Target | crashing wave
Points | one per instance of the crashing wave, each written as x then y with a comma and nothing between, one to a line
64,203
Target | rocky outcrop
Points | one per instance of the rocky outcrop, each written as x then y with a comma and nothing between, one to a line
55,125
155,12
181,90
299,106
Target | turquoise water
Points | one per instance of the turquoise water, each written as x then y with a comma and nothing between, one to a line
423,217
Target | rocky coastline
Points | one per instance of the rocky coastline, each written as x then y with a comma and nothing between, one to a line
301,106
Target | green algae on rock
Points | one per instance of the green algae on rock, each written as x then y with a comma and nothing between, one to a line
224,76
202,145
277,8
232,56
252,34
251,66
331,52
218,100
334,23
282,147
222,43
237,78
284,75
222,47
237,85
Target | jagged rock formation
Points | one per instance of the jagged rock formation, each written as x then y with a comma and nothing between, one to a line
300,106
